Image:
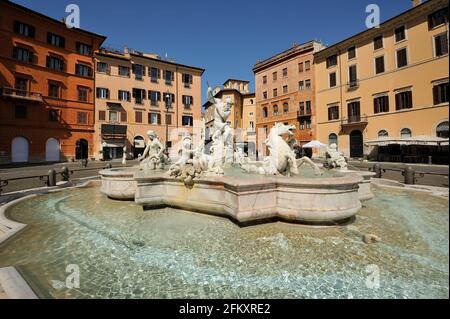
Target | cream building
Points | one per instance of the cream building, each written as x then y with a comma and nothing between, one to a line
137,92
384,93
242,118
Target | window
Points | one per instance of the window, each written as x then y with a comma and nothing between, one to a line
54,90
307,65
381,104
265,79
20,112
265,112
275,110
82,118
83,70
352,76
24,29
23,55
275,92
285,89
154,118
101,115
124,71
302,124
308,107
187,120
285,73
82,94
169,98
274,76
154,97
301,85
285,108
333,113
405,133
168,77
441,93
400,34
169,119
187,101
139,96
21,85
123,116
187,80
300,67
379,65
378,42
437,18
83,49
56,40
402,59
55,63
383,134
265,95
442,130
302,108
332,79
53,115
155,74
403,100
354,111
332,139
138,71
102,93
113,116
441,44
331,60
124,95
351,53
102,67
308,123
138,116
308,84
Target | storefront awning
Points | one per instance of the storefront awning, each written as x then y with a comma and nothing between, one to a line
417,140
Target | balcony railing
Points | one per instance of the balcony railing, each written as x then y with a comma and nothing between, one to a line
21,94
354,120
304,113
352,85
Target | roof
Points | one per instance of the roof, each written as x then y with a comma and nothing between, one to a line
235,80
218,94
419,7
293,51
18,6
168,62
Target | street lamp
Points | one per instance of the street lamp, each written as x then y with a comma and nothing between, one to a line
168,102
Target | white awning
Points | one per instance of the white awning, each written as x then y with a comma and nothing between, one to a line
314,144
415,140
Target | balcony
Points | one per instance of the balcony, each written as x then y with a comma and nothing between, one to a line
354,120
352,85
21,94
306,113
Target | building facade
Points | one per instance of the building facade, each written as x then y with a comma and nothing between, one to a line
47,87
284,91
242,117
388,87
138,92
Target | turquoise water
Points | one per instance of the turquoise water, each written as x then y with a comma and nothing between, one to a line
125,252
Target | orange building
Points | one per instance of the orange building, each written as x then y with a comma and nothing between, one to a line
47,87
284,90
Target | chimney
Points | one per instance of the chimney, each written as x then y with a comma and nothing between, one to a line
415,3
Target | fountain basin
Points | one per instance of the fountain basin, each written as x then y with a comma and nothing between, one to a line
119,183
308,200
365,190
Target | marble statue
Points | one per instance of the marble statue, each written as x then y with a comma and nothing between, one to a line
239,156
281,159
334,158
124,156
153,156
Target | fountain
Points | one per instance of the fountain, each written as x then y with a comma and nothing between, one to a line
265,190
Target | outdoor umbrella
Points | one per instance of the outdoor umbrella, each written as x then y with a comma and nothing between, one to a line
314,144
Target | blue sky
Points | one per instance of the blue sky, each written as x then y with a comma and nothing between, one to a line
224,37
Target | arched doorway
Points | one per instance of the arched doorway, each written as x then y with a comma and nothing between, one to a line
332,139
81,149
52,150
356,144
19,150
138,146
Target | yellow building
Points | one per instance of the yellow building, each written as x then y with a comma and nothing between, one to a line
242,117
384,93
137,92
